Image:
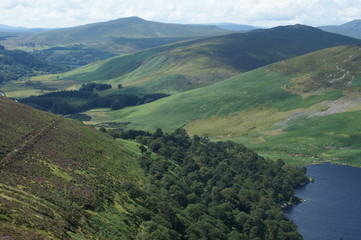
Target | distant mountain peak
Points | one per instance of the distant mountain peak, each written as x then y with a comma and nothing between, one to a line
289,28
132,18
350,29
296,26
354,25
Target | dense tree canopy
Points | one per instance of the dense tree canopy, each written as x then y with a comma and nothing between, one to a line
16,64
75,55
69,102
213,190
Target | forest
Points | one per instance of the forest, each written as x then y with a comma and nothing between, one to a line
211,190
16,64
86,98
75,55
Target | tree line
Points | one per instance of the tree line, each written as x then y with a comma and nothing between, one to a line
70,102
75,55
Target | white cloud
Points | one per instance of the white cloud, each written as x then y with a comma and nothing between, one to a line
61,13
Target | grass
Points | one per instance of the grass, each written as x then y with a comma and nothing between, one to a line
54,169
263,108
255,89
156,70
38,85
335,138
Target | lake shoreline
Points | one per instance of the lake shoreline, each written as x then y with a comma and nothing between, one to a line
328,210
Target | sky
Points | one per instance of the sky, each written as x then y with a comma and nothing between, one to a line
260,13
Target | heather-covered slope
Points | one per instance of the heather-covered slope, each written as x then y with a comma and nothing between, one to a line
61,179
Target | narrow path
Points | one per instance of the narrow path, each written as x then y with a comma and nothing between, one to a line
28,144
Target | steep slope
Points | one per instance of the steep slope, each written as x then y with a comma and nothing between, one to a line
350,29
270,103
194,64
62,179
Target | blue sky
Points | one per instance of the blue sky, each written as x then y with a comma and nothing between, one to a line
266,13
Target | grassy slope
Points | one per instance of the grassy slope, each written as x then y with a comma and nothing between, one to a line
199,63
272,105
61,179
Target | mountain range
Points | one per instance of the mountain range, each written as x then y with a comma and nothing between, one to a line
197,63
84,44
351,29
98,40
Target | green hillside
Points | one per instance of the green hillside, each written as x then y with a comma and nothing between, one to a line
270,105
61,179
199,63
15,64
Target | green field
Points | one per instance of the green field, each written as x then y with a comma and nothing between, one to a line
253,90
334,138
281,110
37,86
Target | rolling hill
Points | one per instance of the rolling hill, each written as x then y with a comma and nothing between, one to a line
350,29
99,40
132,27
60,179
6,28
188,65
297,109
233,26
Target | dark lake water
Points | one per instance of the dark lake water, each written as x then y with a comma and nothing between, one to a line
332,206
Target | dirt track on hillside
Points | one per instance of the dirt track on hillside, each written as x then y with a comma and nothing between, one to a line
27,145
